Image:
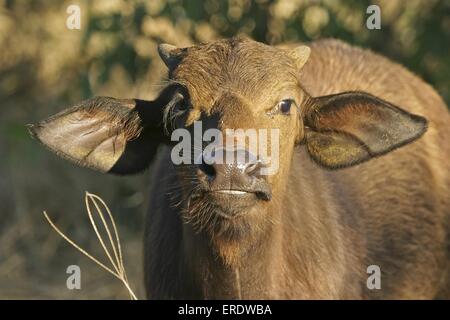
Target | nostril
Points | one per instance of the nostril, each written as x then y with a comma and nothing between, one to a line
252,168
207,169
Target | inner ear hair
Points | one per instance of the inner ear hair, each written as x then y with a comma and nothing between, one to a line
317,108
351,127
106,134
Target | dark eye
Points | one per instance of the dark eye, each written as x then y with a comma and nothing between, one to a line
284,106
180,102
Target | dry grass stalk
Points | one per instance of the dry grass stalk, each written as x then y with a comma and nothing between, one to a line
116,258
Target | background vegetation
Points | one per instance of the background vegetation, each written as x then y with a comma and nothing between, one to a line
45,67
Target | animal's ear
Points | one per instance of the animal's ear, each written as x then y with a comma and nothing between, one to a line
106,134
349,128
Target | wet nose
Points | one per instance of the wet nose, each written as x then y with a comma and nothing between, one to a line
230,168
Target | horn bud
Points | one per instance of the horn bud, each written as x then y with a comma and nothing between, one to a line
168,54
301,55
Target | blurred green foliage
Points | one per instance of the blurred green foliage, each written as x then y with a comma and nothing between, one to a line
45,67
414,33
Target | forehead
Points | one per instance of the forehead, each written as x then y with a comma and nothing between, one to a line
246,67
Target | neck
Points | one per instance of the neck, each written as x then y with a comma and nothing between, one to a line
234,269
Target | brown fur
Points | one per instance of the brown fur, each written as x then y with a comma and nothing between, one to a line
322,229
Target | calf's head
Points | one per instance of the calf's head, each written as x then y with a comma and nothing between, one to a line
223,86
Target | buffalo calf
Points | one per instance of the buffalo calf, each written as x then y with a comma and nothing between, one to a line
361,180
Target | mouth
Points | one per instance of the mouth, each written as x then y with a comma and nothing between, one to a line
231,191
239,193
228,210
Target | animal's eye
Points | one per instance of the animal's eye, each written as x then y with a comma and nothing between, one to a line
182,105
284,106
180,102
